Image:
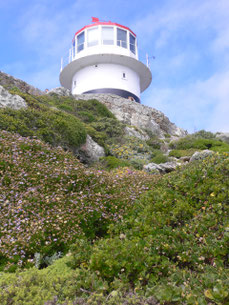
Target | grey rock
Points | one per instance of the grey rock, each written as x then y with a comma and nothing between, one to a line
10,82
199,155
135,114
90,151
162,168
140,134
60,91
185,158
224,136
11,101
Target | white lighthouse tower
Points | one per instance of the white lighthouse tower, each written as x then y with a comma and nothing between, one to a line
104,59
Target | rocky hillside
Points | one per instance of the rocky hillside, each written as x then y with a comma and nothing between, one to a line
90,212
9,82
102,130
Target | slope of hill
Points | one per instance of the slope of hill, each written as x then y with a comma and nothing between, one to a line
170,245
106,233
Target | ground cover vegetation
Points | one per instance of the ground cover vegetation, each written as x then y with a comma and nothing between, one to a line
71,234
48,199
126,237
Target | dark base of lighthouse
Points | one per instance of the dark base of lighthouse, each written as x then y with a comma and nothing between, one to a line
122,93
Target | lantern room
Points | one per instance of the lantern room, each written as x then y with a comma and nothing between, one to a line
103,58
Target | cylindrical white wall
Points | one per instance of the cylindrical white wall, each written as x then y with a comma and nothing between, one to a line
110,76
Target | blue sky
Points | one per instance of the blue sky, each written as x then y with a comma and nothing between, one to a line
189,39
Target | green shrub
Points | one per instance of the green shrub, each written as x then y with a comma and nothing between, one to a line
128,258
199,143
79,108
110,126
35,287
204,134
154,142
53,127
182,152
159,157
111,162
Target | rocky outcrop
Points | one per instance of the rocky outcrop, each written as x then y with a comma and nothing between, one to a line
90,151
132,132
161,168
11,101
9,81
60,91
199,155
135,114
224,136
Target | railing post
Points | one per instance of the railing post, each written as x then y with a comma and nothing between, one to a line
147,61
61,64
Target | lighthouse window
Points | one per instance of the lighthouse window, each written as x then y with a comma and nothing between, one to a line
132,44
121,38
107,35
80,42
92,37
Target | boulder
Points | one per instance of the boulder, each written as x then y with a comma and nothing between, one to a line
199,155
11,101
135,114
185,158
60,91
10,82
162,167
224,136
90,151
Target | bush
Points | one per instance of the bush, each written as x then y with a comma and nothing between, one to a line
87,111
154,142
199,143
158,157
53,127
109,126
203,134
182,153
111,162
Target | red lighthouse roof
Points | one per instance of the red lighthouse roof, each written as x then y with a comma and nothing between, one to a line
96,23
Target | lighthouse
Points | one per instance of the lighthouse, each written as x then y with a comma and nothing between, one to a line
104,59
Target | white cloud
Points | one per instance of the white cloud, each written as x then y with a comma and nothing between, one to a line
190,75
202,104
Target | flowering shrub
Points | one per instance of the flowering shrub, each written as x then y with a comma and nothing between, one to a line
48,199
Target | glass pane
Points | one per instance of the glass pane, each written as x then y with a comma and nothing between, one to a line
121,38
92,37
107,35
132,44
80,42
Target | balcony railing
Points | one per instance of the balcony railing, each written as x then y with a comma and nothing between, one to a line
77,49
